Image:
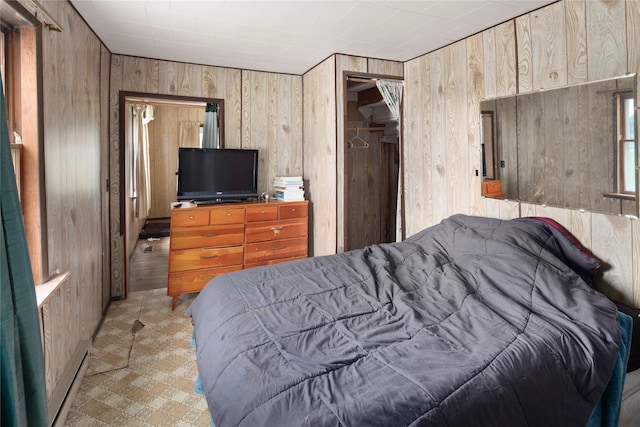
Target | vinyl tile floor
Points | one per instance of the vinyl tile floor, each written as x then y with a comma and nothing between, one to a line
142,369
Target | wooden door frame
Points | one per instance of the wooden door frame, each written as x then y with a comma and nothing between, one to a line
346,75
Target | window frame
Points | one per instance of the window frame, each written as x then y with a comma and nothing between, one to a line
22,75
621,112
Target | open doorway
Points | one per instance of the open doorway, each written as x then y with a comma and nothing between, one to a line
148,165
372,166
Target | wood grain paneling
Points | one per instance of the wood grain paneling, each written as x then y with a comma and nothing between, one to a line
270,123
262,110
576,33
457,169
525,55
506,67
319,145
416,153
75,109
548,45
475,93
560,37
606,39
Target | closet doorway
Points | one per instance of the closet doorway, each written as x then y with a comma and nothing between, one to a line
372,152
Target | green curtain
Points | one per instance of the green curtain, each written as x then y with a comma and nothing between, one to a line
210,131
24,398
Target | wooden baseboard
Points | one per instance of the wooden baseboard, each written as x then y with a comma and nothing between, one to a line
62,395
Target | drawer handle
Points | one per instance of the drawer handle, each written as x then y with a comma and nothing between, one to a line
210,235
293,209
277,228
191,217
278,248
229,214
208,256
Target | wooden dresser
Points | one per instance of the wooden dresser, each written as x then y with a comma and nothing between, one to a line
207,241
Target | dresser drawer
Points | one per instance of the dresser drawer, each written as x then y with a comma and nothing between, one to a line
297,210
193,281
275,230
227,216
194,259
209,236
279,249
189,218
271,262
262,213
490,187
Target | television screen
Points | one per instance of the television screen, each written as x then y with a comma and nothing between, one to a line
210,174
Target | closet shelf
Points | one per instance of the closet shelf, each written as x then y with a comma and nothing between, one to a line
375,128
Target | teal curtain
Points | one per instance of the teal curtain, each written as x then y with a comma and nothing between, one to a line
24,398
210,131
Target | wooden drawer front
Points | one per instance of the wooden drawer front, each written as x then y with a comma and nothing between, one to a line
489,187
189,217
262,213
227,216
276,230
194,281
279,249
194,259
271,262
210,236
294,211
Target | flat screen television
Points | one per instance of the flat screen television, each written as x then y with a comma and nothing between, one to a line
217,175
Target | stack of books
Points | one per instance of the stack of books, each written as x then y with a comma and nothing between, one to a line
289,188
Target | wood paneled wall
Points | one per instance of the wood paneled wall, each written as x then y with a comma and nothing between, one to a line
164,139
566,42
324,143
74,81
262,110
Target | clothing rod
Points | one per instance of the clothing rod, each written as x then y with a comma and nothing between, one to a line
376,128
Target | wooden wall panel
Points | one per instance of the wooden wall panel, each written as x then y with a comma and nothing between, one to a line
506,67
416,154
457,166
576,33
437,136
490,63
606,39
525,54
475,93
270,103
384,67
75,100
319,153
548,45
612,244
560,37
164,140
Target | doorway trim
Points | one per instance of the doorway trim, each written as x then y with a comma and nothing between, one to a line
342,142
118,185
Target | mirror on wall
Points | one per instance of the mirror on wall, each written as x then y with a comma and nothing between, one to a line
573,147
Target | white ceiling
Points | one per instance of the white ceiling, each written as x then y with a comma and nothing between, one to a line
289,36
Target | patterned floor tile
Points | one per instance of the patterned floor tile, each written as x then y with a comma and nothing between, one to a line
141,370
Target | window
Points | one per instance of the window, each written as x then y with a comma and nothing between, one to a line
19,67
626,148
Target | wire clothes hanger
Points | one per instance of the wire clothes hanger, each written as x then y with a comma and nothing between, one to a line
357,141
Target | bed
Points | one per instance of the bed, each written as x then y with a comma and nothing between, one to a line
473,321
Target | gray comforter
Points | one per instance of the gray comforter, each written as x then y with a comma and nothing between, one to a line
472,322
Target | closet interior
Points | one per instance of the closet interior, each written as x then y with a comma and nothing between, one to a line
372,158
